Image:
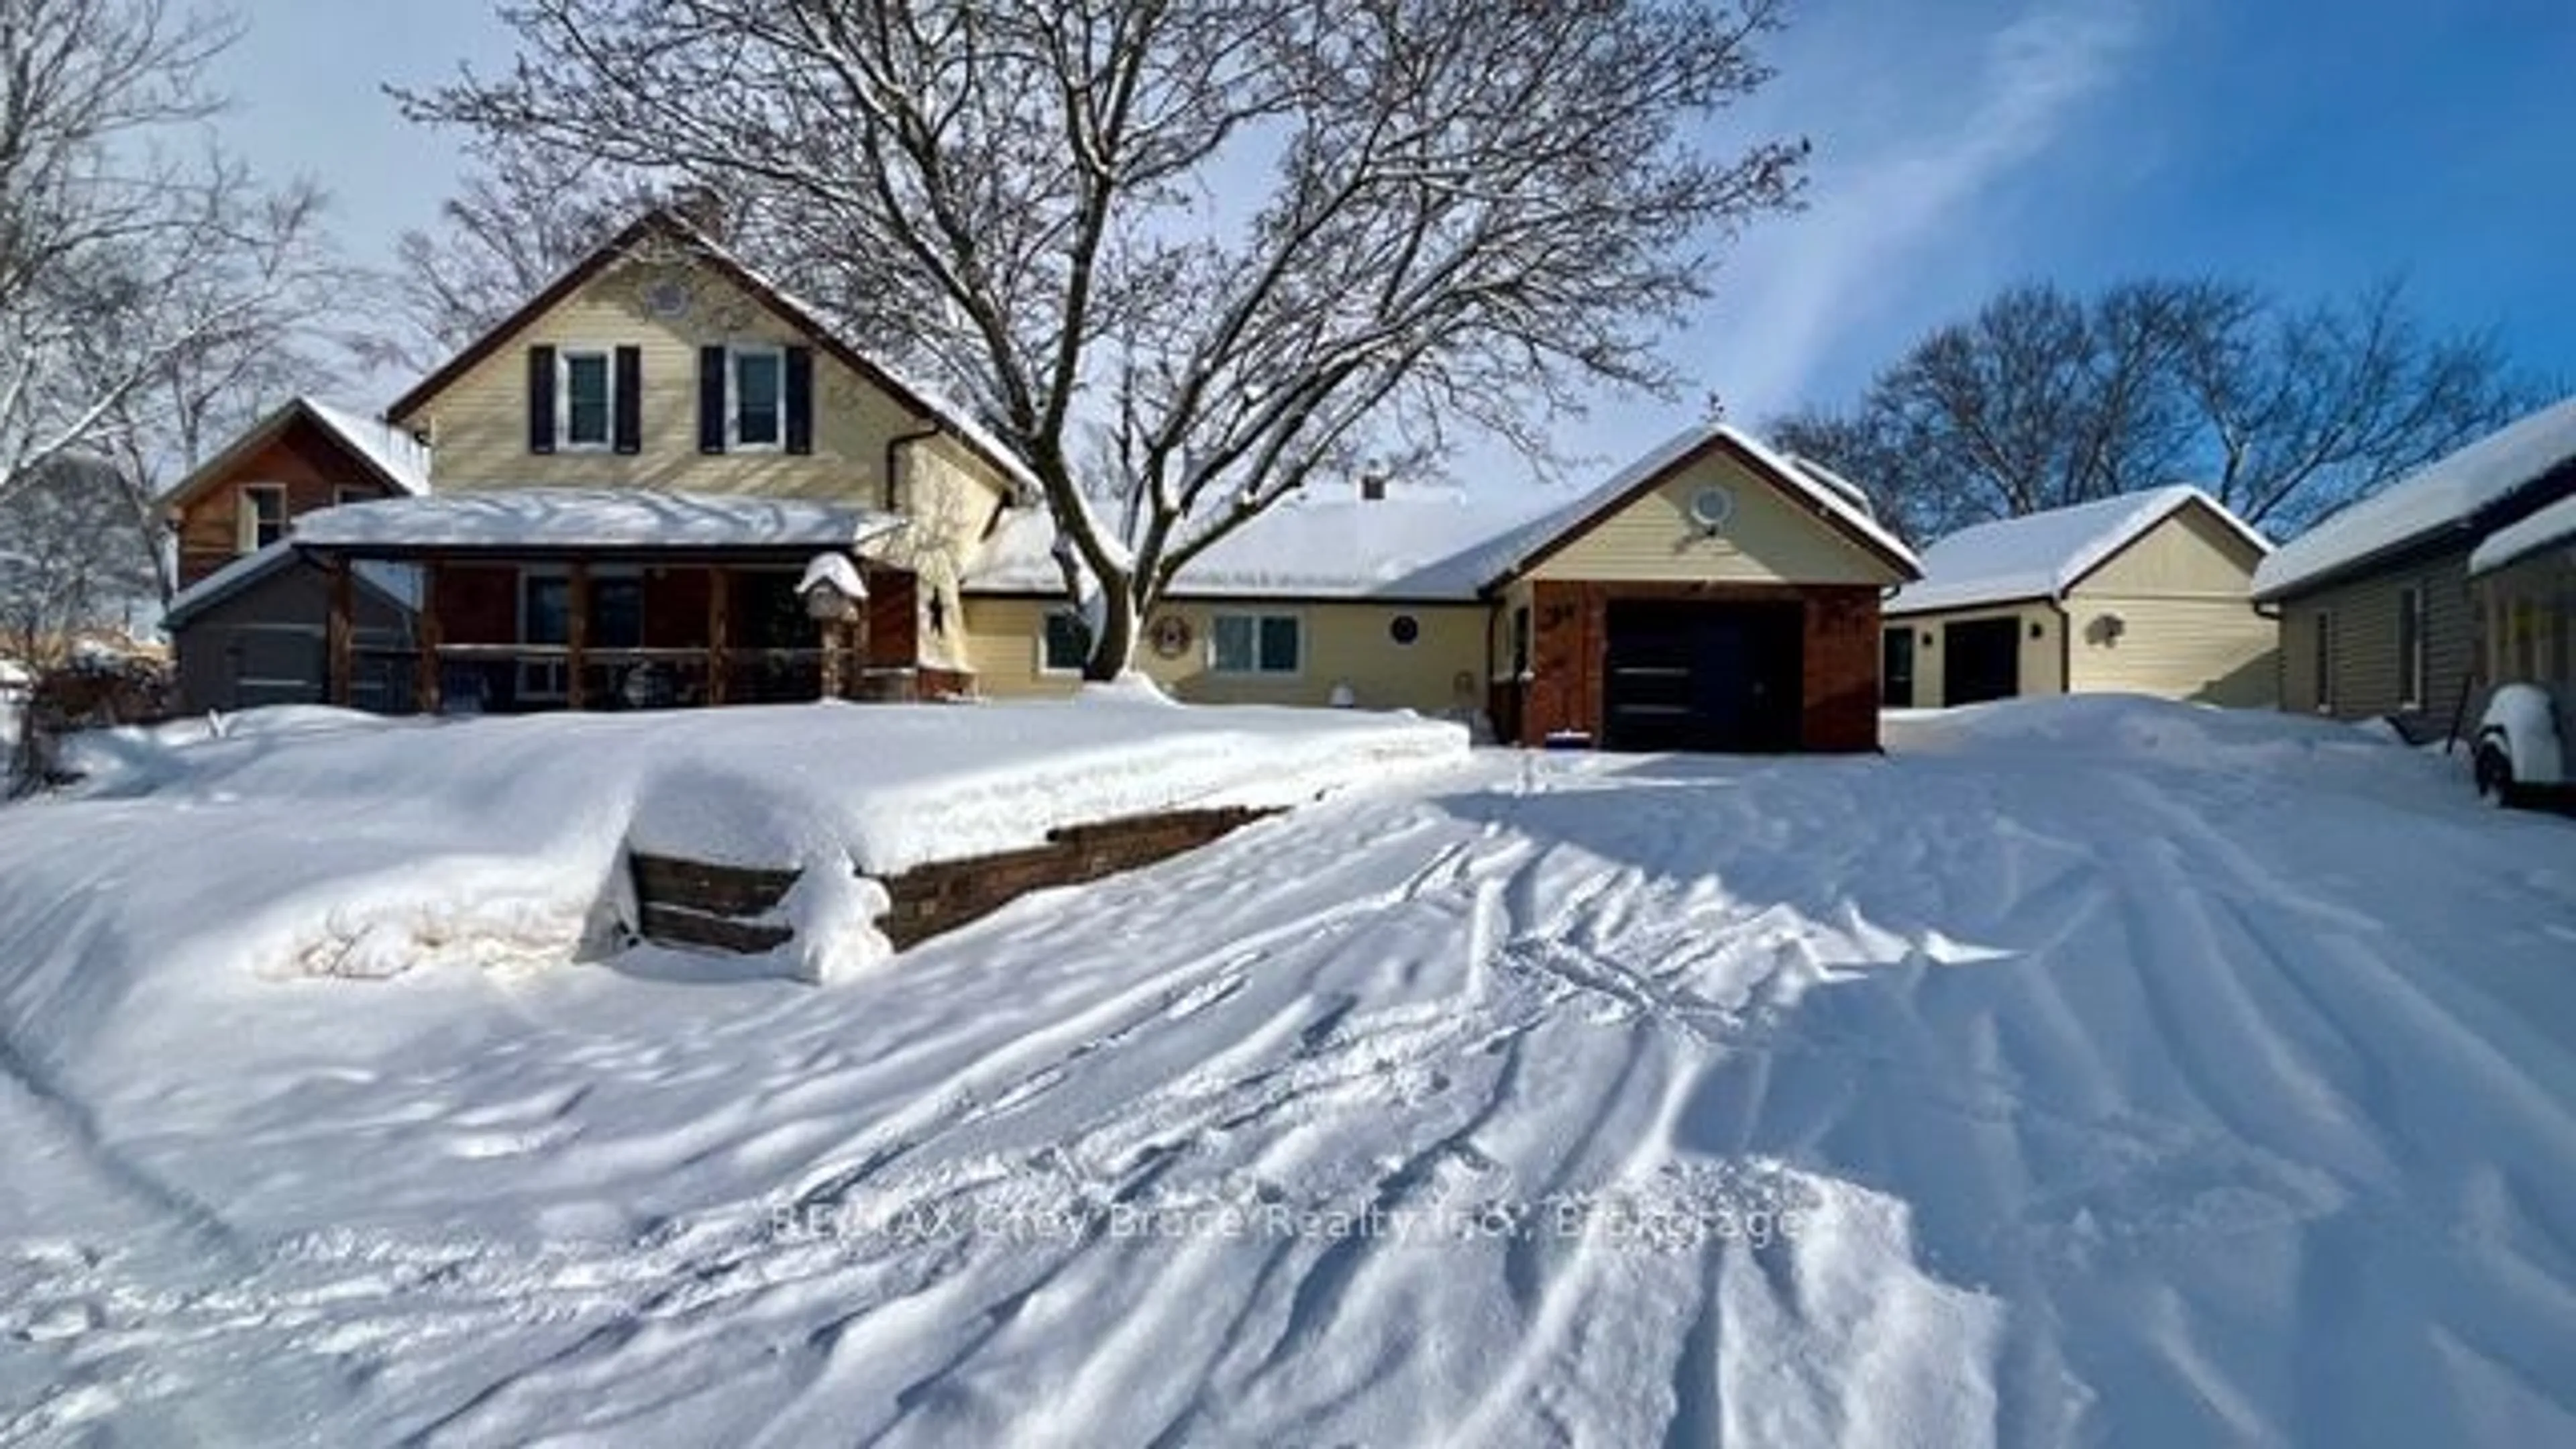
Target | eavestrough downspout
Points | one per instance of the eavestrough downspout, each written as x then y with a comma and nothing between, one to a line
893,459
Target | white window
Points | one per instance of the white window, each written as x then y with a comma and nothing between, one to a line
2325,661
1256,644
1065,645
589,388
260,520
2410,648
758,398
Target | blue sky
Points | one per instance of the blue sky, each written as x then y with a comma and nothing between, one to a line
2306,145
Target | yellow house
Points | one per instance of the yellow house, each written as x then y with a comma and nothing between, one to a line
633,478
2146,593
1712,595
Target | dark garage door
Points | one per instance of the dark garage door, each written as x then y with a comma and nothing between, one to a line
1691,675
1980,660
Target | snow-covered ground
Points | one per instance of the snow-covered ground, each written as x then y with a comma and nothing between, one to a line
2088,1069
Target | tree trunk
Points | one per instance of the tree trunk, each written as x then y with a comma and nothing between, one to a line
1116,646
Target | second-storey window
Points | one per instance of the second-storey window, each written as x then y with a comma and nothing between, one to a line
759,397
261,519
589,399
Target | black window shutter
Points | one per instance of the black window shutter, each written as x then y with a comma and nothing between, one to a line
800,399
629,434
711,399
541,399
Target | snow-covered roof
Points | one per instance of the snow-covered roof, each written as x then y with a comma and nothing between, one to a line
402,458
590,518
1837,498
2042,555
1412,544
1415,543
2444,496
2551,526
396,582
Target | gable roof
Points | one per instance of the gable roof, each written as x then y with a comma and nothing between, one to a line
1428,544
661,221
2447,497
2042,555
1837,504
392,581
397,459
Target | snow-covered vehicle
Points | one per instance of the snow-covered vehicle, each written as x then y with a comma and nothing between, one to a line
2521,743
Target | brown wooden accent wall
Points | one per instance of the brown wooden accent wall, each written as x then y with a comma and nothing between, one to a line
1569,638
303,457
675,607
894,617
478,604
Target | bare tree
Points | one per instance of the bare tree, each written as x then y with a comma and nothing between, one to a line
1185,255
70,560
529,214
2045,399
134,254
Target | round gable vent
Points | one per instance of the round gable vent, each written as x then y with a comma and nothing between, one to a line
1711,507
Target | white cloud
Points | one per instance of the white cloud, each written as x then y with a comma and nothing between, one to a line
1906,187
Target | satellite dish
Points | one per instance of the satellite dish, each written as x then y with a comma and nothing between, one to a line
1711,507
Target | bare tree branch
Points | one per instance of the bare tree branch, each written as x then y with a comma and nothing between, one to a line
1254,242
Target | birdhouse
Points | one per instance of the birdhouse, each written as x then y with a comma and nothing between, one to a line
832,589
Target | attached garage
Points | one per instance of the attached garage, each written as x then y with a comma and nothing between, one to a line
1684,674
1716,596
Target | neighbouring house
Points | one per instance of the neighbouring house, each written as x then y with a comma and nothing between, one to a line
2377,618
2145,593
636,471
2523,582
249,622
1713,595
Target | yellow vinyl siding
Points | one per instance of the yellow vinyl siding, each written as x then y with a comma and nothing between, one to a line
479,423
2366,677
2042,659
1769,539
2189,554
2213,651
1342,643
2183,595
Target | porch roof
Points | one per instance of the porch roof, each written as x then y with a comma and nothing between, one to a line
629,521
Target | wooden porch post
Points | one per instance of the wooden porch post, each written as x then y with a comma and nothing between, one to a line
426,634
833,633
340,639
719,618
576,634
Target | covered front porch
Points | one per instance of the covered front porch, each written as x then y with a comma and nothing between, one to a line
542,599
